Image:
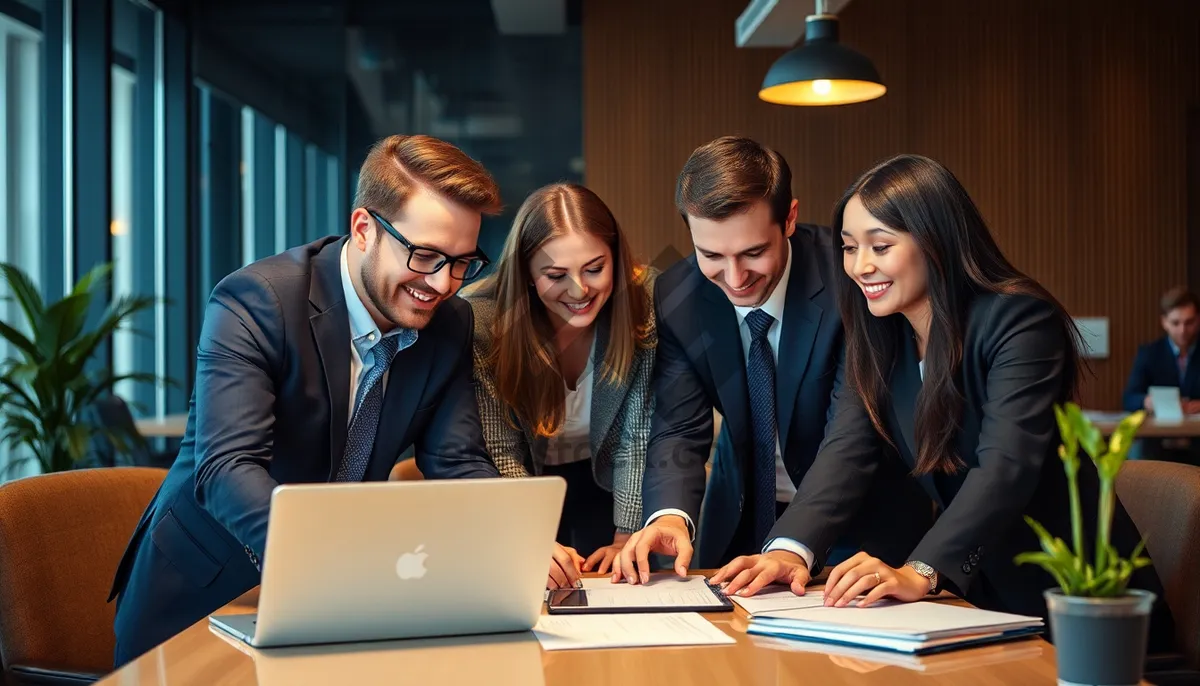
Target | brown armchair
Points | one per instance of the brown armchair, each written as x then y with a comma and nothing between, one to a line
1163,498
61,536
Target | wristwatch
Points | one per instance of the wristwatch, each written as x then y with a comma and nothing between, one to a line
927,572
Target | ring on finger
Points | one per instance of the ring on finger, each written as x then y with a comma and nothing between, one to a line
878,580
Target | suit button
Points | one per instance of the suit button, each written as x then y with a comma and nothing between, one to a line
974,559
966,568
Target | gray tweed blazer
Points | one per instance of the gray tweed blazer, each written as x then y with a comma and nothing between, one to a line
620,419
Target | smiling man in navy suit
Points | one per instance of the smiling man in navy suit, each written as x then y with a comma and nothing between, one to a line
322,363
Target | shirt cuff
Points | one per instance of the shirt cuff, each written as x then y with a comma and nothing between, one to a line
672,511
791,546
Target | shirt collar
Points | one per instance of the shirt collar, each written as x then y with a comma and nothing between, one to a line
1175,348
774,302
363,332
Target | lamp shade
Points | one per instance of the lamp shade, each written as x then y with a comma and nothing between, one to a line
821,71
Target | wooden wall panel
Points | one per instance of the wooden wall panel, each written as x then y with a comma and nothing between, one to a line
1065,120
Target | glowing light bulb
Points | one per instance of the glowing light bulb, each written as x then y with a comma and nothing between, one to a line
822,86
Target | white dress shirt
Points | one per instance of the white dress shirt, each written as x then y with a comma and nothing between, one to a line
574,442
364,335
785,490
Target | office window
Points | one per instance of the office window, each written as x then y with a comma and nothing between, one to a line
219,179
20,169
262,215
136,225
322,176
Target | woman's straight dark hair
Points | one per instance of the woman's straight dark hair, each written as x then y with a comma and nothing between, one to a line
921,197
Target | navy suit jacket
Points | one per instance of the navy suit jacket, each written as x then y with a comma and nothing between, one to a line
270,406
700,366
1156,365
1013,373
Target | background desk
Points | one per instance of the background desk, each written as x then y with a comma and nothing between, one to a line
1106,422
200,656
170,426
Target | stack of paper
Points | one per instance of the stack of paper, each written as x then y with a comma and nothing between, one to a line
628,631
914,628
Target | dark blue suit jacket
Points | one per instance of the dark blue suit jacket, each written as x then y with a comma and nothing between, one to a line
270,407
700,366
1156,365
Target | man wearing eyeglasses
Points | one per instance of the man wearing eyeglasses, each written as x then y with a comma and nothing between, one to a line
322,363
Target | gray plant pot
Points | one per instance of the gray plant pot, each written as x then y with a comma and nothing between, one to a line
1100,641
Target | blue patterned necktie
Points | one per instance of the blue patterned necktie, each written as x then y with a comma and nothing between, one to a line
760,376
360,438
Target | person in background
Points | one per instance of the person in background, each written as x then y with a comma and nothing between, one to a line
305,365
1168,362
564,349
747,325
954,363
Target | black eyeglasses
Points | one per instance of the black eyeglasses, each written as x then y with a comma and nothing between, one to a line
424,260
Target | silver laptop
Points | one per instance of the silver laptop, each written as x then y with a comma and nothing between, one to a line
375,561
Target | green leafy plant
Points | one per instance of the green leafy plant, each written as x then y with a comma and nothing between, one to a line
1109,574
46,388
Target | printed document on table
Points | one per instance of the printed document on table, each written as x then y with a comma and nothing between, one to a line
768,600
660,591
575,632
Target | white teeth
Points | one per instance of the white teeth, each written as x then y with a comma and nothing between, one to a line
876,287
419,296
578,307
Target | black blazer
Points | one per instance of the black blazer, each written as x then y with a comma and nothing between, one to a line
270,406
1156,365
1013,372
700,366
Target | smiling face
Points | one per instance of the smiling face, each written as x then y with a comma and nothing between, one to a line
744,254
393,293
573,276
885,262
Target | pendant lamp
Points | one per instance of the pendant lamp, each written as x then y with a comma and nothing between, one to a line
821,71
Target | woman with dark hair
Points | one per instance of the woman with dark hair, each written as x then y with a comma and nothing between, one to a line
954,362
564,348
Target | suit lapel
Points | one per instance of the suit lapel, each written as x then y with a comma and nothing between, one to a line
906,385
606,395
405,387
722,344
331,331
801,321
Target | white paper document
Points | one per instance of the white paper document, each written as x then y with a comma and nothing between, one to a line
1167,404
774,601
576,632
661,591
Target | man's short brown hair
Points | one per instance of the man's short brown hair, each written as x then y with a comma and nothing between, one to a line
396,165
728,175
1176,297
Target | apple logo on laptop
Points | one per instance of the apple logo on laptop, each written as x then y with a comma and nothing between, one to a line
412,565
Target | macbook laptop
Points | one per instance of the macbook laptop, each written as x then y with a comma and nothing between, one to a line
376,561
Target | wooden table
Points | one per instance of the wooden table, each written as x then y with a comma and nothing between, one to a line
202,656
170,426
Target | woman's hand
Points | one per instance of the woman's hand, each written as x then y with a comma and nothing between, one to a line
564,568
863,574
602,560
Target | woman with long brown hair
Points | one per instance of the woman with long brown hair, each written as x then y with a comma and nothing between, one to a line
564,348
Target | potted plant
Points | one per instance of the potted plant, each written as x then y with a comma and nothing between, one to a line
47,387
1100,626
